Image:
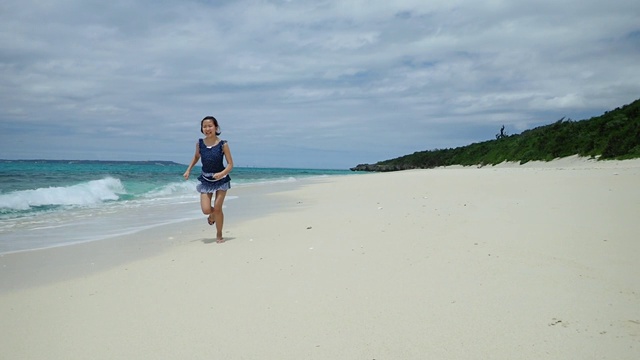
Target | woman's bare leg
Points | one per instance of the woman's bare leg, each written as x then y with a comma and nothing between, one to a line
207,209
218,215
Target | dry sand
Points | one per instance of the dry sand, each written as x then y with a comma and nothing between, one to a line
508,262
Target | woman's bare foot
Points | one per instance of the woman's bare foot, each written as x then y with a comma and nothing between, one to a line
219,239
211,220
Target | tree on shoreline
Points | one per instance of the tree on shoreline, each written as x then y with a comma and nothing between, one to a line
502,134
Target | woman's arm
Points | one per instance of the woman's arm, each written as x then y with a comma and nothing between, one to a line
194,161
229,158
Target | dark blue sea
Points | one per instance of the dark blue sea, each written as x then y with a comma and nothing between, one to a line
46,203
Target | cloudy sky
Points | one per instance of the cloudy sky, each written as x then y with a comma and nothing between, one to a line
321,84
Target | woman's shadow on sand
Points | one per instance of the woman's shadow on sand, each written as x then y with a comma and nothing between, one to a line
213,240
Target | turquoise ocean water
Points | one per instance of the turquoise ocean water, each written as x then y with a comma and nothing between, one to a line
55,203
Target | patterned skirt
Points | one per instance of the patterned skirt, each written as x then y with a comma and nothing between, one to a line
209,185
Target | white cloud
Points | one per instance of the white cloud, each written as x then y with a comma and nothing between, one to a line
304,79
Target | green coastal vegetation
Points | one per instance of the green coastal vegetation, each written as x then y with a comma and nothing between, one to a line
613,135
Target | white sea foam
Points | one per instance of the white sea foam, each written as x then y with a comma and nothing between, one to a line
173,189
83,224
260,182
87,193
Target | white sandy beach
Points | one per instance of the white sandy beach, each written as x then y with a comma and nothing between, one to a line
539,261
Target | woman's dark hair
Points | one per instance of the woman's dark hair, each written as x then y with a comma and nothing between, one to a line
215,123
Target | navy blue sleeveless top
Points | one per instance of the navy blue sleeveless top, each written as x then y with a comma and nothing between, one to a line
211,158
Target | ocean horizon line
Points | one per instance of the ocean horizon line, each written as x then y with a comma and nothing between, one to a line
155,162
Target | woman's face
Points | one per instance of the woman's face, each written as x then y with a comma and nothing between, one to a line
208,127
